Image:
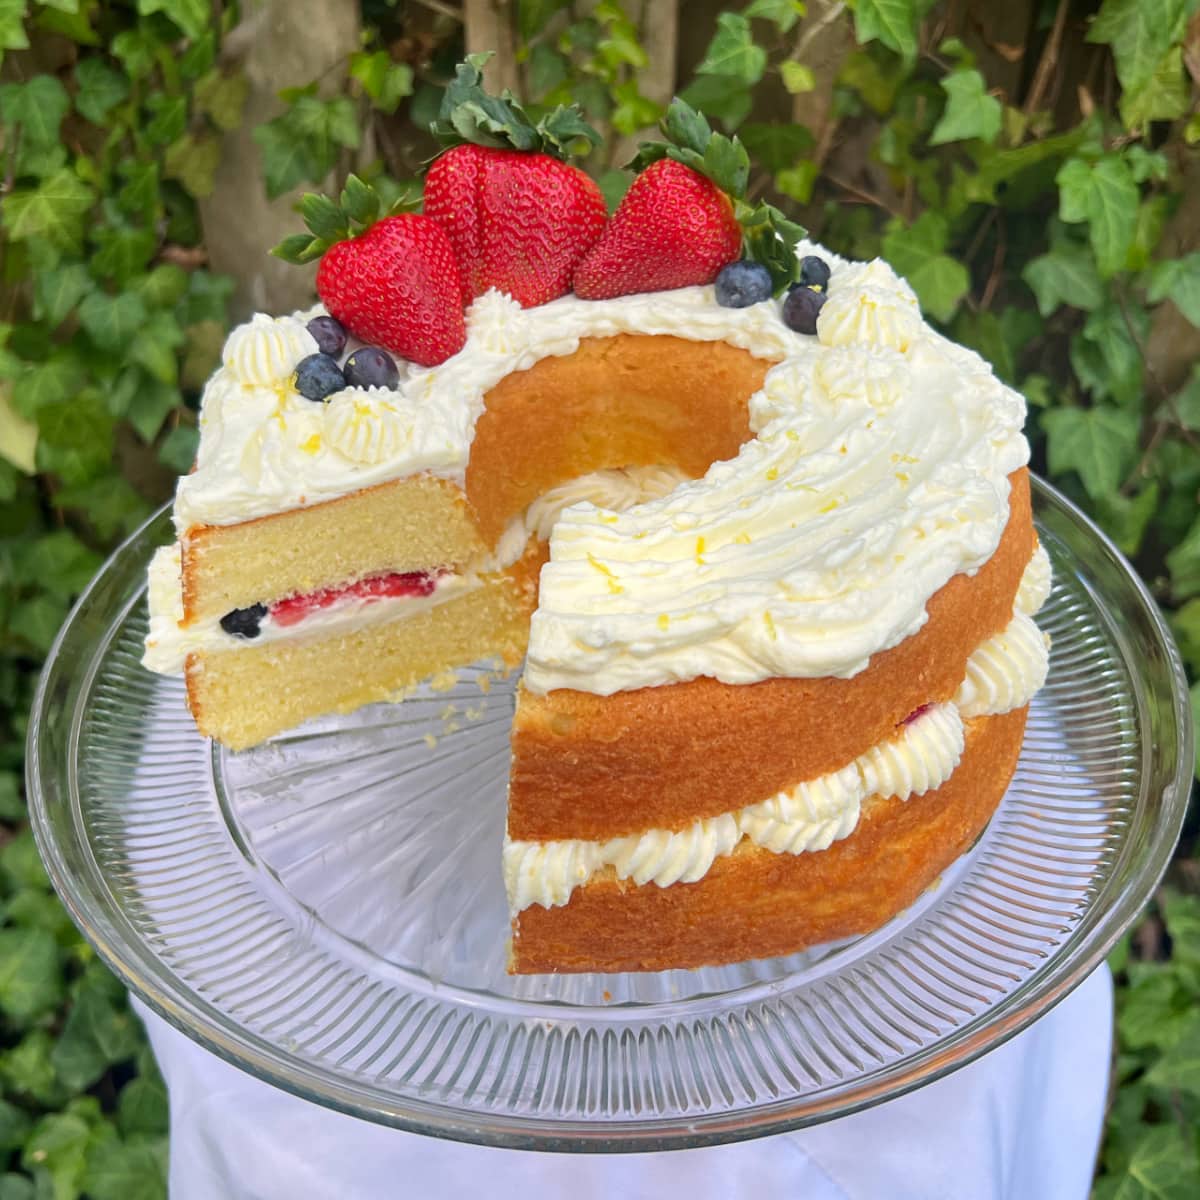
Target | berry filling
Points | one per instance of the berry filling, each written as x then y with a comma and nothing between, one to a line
379,587
917,712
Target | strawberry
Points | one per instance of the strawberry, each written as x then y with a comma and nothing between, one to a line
685,217
395,283
672,229
518,216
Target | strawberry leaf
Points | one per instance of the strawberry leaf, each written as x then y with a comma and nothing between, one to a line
323,217
299,248
360,202
770,238
691,141
468,114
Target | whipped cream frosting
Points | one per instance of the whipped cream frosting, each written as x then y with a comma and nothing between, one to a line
1003,673
878,472
262,447
811,816
614,490
168,642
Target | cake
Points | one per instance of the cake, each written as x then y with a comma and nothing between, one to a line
771,568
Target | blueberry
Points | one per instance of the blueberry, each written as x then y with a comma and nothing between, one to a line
800,308
244,622
814,272
371,367
329,334
319,376
743,283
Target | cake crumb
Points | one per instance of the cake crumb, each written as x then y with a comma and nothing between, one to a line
607,994
443,681
430,741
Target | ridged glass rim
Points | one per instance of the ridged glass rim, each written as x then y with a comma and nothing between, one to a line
96,912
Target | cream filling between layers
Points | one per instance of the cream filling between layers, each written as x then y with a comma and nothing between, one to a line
878,470
168,642
1003,673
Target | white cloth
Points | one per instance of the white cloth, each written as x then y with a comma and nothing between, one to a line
1021,1123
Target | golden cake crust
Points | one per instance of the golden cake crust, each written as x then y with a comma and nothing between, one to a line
595,767
758,904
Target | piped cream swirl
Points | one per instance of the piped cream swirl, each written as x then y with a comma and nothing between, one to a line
266,350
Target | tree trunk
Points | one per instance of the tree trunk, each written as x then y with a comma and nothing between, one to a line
278,44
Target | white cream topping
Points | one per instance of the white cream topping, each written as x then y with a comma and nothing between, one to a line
613,490
362,424
1034,589
256,451
1003,673
811,816
265,352
878,472
168,642
1006,671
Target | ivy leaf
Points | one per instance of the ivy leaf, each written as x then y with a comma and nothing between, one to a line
30,976
1180,911
1183,563
1098,443
192,16
178,449
97,1034
917,253
783,13
155,348
797,78
127,1170
75,438
892,22
135,50
1140,32
60,1143
970,112
1194,693
61,564
54,210
100,89
12,26
112,321
1178,280
1108,330
57,292
37,622
385,82
142,1104
46,383
123,252
723,97
193,160
776,146
1104,195
302,144
733,51
1163,1167
222,98
1065,275
169,118
1163,97
37,106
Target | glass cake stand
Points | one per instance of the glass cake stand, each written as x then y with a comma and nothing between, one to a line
327,911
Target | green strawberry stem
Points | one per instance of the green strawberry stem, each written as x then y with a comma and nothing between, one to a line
330,221
768,236
468,114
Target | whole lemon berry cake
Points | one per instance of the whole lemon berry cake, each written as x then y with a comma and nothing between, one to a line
762,536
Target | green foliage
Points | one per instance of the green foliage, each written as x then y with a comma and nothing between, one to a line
1043,236
99,362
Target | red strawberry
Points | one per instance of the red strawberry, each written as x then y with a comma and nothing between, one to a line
397,286
673,228
519,221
